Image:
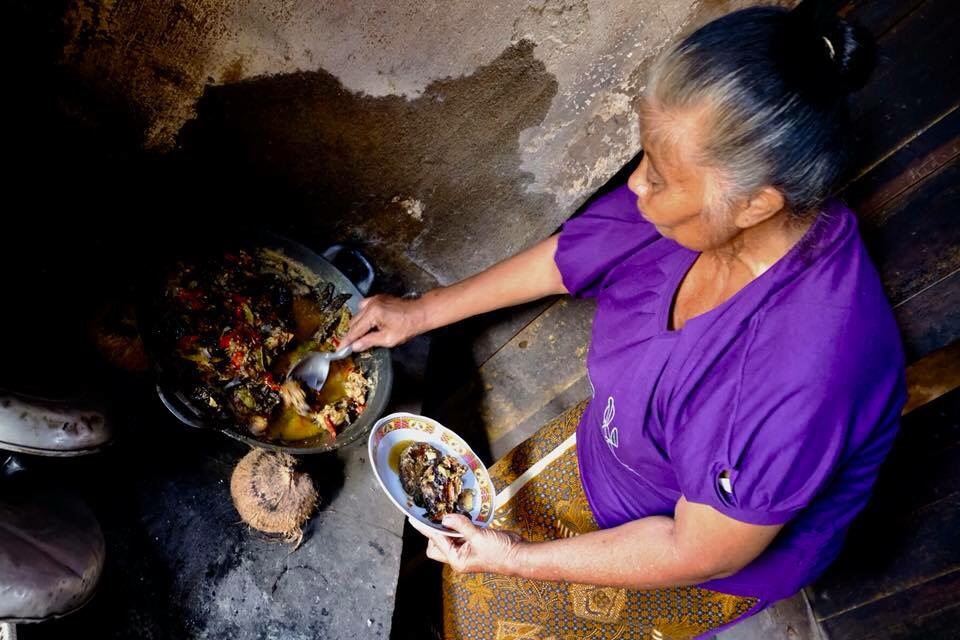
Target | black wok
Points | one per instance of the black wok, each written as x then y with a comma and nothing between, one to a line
374,363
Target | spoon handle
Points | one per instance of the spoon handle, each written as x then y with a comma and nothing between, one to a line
340,354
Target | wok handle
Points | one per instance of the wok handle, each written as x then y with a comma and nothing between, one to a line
365,281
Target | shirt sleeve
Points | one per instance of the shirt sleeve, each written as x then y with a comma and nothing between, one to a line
607,232
799,418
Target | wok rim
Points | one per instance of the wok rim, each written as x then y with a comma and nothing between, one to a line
381,365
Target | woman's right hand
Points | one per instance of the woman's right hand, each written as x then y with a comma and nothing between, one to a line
386,321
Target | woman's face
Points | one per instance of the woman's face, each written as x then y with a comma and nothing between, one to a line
670,187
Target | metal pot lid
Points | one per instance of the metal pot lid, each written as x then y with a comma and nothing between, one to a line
47,427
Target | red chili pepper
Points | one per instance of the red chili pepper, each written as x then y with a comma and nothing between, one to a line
193,298
334,341
330,426
270,382
237,301
238,358
225,340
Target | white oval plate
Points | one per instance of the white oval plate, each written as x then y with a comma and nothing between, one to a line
396,428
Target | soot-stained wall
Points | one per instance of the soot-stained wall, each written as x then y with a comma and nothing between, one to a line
442,136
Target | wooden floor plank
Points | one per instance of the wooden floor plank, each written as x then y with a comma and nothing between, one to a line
933,376
924,466
915,241
877,16
536,372
537,365
494,330
922,156
928,320
907,534
578,390
915,81
907,614
891,557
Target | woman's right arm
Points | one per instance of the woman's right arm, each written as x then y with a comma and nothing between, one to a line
388,321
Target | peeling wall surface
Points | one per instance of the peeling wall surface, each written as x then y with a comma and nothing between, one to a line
442,136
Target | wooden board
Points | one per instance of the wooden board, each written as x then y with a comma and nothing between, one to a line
536,366
578,390
526,375
909,165
494,330
884,557
530,374
915,242
930,318
924,466
907,535
914,613
933,376
878,16
914,83
943,625
918,241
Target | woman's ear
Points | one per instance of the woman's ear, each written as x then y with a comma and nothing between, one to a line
765,203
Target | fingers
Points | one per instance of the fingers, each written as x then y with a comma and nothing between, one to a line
434,553
367,327
461,524
382,321
362,344
360,326
439,546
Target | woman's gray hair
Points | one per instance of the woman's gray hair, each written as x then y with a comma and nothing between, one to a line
772,96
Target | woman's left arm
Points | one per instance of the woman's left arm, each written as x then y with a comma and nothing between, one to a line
698,544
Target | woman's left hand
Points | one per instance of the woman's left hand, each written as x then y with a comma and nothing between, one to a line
478,550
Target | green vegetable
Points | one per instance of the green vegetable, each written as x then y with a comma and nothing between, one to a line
244,396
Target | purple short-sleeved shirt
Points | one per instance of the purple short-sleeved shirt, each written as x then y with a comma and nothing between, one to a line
793,387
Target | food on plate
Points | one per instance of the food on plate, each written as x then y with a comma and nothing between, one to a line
232,328
434,481
271,495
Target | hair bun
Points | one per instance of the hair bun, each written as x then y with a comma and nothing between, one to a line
825,42
852,51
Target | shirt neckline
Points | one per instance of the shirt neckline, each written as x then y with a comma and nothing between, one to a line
813,233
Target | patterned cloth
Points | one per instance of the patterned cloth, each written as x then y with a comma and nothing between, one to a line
552,505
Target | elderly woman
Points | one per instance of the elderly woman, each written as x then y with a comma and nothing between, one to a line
746,368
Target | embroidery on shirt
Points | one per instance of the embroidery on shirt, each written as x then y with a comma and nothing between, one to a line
612,436
610,433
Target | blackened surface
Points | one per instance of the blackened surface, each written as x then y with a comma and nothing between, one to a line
181,564
322,162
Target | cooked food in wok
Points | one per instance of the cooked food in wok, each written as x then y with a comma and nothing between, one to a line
233,327
434,481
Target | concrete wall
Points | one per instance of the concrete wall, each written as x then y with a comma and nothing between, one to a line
441,135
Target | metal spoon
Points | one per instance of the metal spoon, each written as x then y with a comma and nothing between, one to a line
312,371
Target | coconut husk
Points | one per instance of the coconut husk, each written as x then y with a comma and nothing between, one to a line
117,339
271,495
